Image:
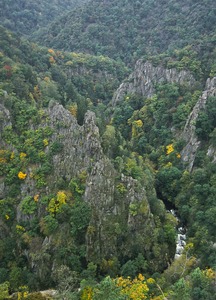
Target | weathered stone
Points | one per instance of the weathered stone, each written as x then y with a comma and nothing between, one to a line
5,120
81,150
2,188
120,220
188,154
142,81
212,153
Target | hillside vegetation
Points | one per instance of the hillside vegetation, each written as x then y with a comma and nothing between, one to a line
93,154
26,16
130,29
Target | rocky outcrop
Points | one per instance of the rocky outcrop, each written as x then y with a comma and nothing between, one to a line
2,188
80,145
120,215
142,81
5,119
212,153
112,211
188,154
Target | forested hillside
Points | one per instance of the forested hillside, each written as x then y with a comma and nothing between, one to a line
54,174
131,29
108,155
26,16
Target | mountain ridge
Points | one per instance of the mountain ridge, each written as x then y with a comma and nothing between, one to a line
148,27
25,16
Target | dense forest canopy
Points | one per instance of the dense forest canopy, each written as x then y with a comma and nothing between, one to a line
95,150
26,16
131,29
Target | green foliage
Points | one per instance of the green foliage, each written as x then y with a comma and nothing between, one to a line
66,280
121,188
205,122
167,182
140,135
60,79
48,225
27,16
28,205
181,290
196,204
4,290
101,28
108,290
77,185
133,267
109,140
199,285
16,278
133,169
80,217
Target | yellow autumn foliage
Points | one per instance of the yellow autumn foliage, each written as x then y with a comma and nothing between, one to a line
51,51
47,79
52,60
139,123
45,142
56,203
22,175
61,197
211,274
136,126
23,292
3,156
150,281
22,155
19,228
169,149
2,160
73,109
36,197
87,293
135,289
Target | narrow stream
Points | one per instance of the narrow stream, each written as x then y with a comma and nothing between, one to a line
180,228
181,236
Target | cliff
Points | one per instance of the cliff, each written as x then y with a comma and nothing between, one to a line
143,81
145,76
115,216
189,135
82,152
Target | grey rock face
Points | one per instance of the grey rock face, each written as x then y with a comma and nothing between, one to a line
189,152
82,151
144,78
2,189
5,119
120,219
212,153
80,144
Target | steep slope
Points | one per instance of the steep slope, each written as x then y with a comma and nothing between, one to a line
166,115
145,78
131,29
72,78
78,202
64,203
24,16
190,133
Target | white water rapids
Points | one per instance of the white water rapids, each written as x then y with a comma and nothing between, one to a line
181,237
